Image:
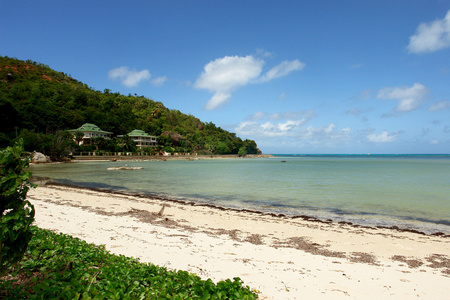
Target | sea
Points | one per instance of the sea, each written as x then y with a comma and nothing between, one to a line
407,191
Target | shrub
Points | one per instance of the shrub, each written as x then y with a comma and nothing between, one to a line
16,213
58,266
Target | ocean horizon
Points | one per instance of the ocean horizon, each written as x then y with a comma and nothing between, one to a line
404,190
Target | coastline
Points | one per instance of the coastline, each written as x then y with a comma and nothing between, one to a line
163,157
282,257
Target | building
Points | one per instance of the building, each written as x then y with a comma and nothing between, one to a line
142,139
91,131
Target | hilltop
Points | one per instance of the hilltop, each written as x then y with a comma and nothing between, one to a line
35,98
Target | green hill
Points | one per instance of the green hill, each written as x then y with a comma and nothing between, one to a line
34,98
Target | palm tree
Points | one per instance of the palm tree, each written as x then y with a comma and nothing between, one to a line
127,144
79,135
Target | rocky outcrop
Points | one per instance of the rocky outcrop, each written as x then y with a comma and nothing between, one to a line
124,168
38,157
174,136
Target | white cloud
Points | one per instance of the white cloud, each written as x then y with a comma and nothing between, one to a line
294,129
223,75
324,135
278,124
282,69
159,81
219,99
383,137
229,72
129,78
409,98
226,74
441,105
430,37
294,133
268,129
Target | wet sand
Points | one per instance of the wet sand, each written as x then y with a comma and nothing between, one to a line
279,256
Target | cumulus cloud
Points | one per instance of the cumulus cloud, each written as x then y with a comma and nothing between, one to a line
409,98
431,37
383,137
294,132
262,124
441,105
229,72
327,136
128,77
224,75
295,129
269,129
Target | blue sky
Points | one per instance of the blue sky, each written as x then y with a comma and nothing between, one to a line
295,76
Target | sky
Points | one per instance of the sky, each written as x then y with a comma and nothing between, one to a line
320,77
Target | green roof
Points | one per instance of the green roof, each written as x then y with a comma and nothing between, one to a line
138,132
90,127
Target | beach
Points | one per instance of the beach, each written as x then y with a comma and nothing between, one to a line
278,256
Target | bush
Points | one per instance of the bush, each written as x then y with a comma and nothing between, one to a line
16,213
58,266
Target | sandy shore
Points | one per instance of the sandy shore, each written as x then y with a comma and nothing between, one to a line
281,257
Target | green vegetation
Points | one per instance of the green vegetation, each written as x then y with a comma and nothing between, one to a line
36,101
37,106
58,266
16,213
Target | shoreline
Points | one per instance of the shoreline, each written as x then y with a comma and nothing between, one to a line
399,228
163,157
282,257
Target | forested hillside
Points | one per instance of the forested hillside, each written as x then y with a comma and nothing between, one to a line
39,102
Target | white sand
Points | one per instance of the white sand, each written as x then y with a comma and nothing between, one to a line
280,257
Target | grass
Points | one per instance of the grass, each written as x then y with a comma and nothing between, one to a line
58,266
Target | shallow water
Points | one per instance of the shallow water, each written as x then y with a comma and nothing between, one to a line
405,191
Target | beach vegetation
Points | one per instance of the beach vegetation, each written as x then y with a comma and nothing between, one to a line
58,266
16,212
35,98
242,151
57,146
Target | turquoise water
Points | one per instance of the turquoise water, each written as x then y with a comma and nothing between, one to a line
405,191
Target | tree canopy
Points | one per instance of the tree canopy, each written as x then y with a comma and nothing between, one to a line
35,98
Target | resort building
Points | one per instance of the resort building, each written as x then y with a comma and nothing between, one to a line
142,139
90,131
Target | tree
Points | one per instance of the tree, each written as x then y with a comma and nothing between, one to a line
58,146
79,136
16,213
36,98
61,145
127,144
242,151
